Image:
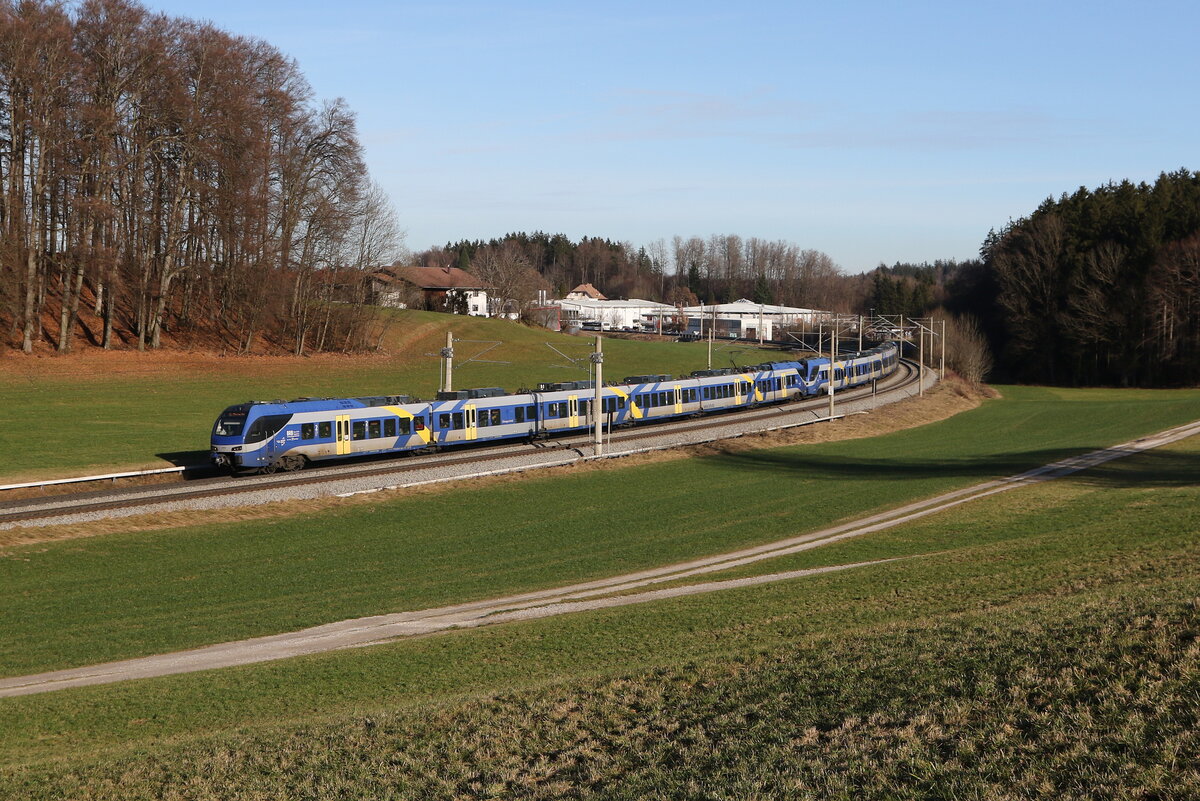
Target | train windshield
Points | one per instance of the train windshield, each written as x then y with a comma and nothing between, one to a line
231,421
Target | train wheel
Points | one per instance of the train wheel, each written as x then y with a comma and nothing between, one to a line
267,469
290,464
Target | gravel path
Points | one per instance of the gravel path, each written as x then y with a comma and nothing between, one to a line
605,593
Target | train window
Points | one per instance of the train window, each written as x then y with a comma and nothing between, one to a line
267,426
562,409
418,423
483,419
308,431
405,426
530,412
552,410
620,403
325,430
458,420
360,430
373,430
519,414
389,427
664,398
443,421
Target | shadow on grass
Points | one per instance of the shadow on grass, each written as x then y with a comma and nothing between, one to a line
1147,469
198,463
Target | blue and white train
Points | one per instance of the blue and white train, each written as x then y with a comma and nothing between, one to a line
265,436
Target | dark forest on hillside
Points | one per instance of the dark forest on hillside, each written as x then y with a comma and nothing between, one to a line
1100,287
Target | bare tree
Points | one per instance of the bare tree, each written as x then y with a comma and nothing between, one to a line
37,71
967,351
510,277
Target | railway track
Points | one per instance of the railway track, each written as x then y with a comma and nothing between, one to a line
373,474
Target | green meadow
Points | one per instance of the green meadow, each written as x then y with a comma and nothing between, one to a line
128,595
1041,642
875,658
98,413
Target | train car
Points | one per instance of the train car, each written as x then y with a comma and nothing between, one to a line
657,397
851,370
563,406
482,415
265,436
724,389
776,382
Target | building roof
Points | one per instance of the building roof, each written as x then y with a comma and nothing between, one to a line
588,290
434,277
632,303
744,306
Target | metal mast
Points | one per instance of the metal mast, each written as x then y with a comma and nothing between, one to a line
597,404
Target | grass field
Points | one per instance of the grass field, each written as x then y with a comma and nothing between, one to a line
1044,644
98,411
1067,570
150,592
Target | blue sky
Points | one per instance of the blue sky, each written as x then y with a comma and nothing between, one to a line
873,131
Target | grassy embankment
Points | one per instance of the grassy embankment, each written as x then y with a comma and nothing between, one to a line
98,411
1031,621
